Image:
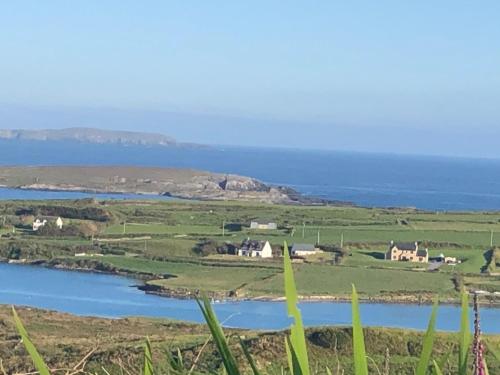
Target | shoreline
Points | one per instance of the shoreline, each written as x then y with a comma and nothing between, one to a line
180,183
180,293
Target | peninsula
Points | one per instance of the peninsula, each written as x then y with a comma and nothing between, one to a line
179,183
90,135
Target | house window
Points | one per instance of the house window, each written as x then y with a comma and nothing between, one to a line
420,259
394,257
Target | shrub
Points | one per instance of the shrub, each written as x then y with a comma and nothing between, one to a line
70,212
210,247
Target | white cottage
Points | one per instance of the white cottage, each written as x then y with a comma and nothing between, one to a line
255,249
304,249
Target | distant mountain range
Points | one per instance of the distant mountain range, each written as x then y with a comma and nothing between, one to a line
91,135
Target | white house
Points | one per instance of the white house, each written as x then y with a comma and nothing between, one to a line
59,223
37,224
265,226
255,249
304,249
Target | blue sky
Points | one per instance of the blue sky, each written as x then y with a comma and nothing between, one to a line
357,75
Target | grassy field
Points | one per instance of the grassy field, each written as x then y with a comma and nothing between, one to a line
327,280
65,339
160,238
194,276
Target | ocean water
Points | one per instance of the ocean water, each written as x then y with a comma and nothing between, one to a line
375,180
23,194
91,294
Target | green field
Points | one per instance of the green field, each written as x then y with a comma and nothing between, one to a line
327,280
161,238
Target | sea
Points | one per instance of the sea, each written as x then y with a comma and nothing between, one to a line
364,179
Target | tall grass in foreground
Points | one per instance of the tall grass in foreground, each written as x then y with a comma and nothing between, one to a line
295,342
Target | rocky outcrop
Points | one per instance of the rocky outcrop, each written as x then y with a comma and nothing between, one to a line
181,183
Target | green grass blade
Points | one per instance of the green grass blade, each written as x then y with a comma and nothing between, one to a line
30,348
464,336
293,360
425,356
437,370
442,362
180,361
358,341
228,359
297,335
249,358
148,359
289,356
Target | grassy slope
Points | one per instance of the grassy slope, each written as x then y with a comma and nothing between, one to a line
64,339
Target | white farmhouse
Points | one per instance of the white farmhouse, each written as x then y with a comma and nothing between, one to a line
255,249
304,249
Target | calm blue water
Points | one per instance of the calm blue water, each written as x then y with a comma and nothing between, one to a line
113,296
10,194
365,179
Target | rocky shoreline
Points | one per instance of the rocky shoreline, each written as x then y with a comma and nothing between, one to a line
177,183
396,299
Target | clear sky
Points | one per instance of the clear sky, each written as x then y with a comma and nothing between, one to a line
408,76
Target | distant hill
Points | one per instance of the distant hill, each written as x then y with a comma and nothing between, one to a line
91,135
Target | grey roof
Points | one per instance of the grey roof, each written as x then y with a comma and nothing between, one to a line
405,245
252,245
422,252
303,247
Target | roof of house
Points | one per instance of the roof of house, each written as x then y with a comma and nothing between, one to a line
422,252
263,221
253,245
405,245
303,247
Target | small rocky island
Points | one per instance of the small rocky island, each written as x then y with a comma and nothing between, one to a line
180,183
